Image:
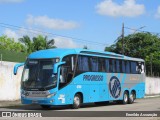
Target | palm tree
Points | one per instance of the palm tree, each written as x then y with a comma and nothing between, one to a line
41,42
27,42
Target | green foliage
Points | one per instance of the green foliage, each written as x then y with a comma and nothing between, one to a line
27,42
10,45
13,56
38,43
18,51
140,45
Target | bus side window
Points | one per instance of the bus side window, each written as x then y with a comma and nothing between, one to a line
123,67
110,66
94,64
107,65
63,74
113,66
101,64
133,68
118,66
128,67
83,64
66,71
140,67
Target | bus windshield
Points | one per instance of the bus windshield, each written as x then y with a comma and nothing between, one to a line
38,74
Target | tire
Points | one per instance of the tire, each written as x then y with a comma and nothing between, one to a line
77,101
125,98
46,106
131,98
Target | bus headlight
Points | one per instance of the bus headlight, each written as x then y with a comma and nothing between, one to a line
51,95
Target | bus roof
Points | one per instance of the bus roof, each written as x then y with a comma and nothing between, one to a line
60,53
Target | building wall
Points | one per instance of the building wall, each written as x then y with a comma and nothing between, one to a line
10,83
152,86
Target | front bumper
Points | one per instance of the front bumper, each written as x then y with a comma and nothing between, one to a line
40,101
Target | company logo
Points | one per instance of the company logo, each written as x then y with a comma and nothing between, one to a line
115,87
6,114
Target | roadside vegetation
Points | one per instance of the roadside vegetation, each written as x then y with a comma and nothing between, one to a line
141,45
17,51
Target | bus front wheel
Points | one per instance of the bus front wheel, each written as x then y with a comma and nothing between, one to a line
76,101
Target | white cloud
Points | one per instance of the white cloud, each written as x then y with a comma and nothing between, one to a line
16,34
12,34
157,15
51,23
61,42
11,1
129,8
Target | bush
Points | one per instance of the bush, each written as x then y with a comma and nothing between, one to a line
13,56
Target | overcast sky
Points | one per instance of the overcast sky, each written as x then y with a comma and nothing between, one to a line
99,21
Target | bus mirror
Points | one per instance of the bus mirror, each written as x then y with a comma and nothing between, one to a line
16,67
55,67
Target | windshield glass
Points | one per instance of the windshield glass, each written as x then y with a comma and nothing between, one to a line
38,74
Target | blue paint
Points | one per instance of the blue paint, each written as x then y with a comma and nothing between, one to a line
93,90
16,67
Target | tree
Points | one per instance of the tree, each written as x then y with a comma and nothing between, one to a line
140,45
37,43
41,42
27,42
10,45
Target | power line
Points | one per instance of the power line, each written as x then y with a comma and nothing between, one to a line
141,30
38,31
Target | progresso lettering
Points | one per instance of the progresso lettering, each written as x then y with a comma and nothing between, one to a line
93,77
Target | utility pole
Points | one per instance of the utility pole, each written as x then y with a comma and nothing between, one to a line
122,38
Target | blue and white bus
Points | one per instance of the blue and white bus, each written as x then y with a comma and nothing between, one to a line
77,76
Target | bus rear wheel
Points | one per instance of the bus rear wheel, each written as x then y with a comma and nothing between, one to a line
76,101
131,98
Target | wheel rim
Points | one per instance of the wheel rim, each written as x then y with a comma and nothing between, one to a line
125,98
131,97
77,100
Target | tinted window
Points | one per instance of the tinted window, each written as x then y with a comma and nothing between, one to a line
107,65
127,67
94,64
134,68
113,65
70,62
101,64
123,67
118,66
83,64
